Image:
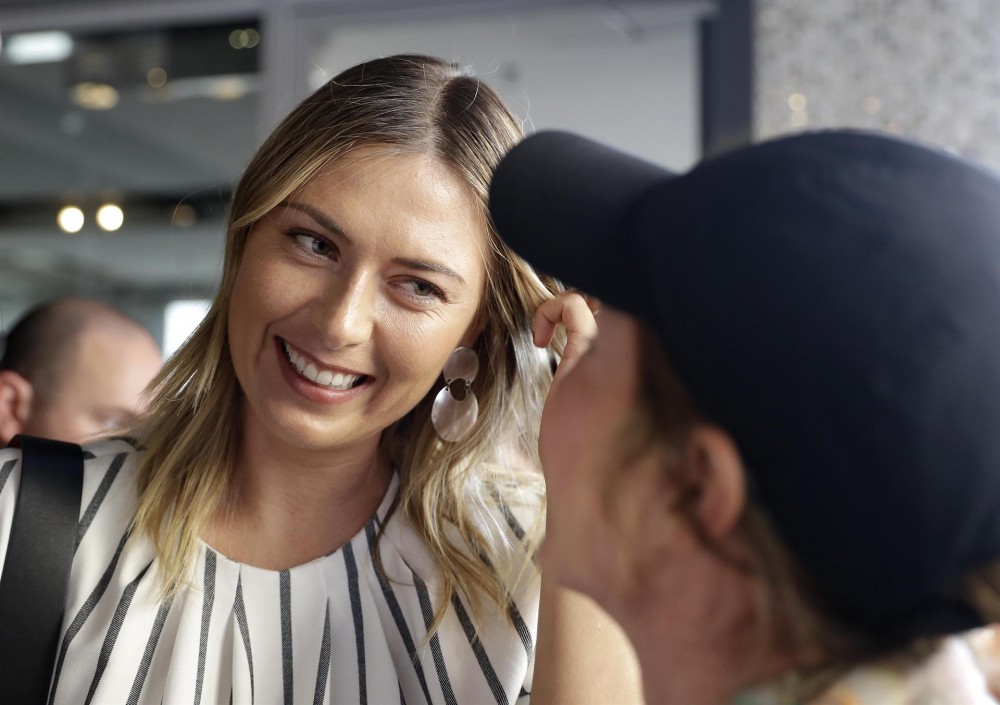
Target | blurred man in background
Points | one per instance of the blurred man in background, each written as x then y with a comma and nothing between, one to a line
73,369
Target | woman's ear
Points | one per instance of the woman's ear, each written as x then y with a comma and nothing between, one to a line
716,471
15,404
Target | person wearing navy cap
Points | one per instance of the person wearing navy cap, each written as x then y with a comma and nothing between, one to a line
775,458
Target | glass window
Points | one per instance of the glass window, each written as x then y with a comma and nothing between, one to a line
180,318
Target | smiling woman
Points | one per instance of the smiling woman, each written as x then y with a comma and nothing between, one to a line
290,526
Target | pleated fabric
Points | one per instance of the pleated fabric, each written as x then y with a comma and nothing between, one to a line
333,630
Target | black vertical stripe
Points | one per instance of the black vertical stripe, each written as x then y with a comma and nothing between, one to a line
477,648
402,700
102,491
88,607
114,629
287,671
5,472
515,615
359,621
323,670
521,628
512,521
147,655
208,601
427,610
241,621
397,615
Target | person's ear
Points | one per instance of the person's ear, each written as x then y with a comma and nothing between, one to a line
15,404
701,481
716,469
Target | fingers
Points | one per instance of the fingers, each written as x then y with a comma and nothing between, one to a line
574,312
571,310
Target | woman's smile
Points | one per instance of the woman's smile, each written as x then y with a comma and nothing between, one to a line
313,391
330,377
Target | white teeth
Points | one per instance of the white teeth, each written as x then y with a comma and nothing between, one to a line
325,378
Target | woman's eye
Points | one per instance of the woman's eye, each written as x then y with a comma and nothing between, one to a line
315,245
423,290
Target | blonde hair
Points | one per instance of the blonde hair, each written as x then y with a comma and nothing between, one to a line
457,496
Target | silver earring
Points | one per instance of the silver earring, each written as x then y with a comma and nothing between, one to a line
455,407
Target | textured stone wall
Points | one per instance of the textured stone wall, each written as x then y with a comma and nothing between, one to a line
928,69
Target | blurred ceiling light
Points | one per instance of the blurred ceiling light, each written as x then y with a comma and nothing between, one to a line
70,219
797,102
244,38
156,77
225,87
110,217
184,216
38,47
228,88
94,96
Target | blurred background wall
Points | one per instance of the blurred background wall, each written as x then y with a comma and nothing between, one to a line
145,111
929,69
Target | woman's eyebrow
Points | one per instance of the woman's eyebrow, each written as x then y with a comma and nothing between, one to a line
331,225
428,266
320,217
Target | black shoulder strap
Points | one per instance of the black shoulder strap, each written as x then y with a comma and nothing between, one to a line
36,569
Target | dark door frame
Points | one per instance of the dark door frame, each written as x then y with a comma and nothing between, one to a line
727,77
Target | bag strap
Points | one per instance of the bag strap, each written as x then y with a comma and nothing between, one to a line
36,570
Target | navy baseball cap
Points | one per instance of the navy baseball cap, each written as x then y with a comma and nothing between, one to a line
832,300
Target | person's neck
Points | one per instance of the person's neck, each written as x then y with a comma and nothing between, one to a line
703,645
294,505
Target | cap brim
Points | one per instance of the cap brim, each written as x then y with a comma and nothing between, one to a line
565,204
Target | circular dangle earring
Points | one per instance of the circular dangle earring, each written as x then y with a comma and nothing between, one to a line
455,407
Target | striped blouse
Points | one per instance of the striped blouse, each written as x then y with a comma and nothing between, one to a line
333,630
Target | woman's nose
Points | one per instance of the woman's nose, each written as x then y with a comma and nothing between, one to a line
344,314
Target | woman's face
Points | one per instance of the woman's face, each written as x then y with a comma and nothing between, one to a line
351,295
585,417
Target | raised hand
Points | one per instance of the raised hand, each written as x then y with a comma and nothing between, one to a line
576,313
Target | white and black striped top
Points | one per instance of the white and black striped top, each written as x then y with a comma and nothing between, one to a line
329,631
